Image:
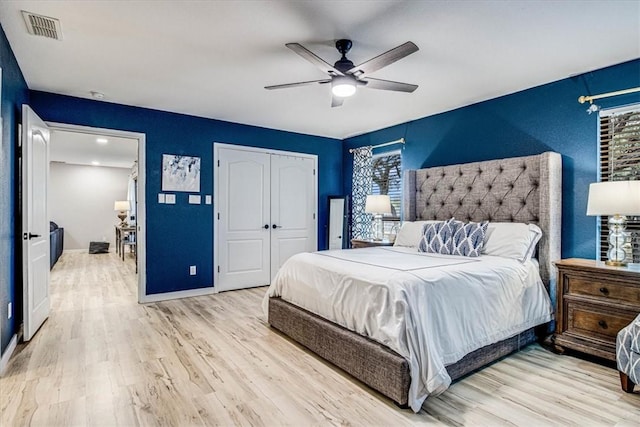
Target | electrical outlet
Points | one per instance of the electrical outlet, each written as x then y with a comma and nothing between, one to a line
9,310
192,270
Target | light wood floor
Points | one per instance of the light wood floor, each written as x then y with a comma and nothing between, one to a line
103,359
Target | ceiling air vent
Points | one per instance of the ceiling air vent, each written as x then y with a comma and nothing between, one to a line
44,26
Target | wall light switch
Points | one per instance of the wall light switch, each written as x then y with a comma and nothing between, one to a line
192,270
195,199
160,198
207,199
170,199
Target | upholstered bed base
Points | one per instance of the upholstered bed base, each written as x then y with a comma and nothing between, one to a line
372,363
521,189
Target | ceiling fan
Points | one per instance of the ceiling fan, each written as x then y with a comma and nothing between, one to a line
345,77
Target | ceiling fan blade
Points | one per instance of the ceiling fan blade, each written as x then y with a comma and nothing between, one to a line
382,60
314,59
388,85
336,101
287,85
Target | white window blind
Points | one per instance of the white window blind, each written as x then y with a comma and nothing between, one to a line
620,161
386,175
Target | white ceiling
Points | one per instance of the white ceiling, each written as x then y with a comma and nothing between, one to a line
213,58
83,149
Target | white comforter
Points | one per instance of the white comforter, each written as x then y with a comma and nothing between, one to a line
431,309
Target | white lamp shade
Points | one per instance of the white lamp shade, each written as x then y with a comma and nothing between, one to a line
614,198
378,204
122,205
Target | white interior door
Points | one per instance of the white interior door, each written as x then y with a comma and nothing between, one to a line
293,215
35,222
336,223
244,229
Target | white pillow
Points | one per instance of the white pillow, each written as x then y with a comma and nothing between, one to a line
410,233
512,240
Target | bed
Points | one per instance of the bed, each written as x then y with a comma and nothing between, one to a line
409,367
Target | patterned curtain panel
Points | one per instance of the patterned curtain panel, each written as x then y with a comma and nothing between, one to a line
362,165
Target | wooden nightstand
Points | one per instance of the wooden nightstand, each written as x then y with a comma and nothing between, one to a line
594,301
365,243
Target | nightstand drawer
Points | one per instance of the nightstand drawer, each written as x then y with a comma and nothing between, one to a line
593,321
602,289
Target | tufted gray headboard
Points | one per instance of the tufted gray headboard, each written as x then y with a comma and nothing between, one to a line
518,189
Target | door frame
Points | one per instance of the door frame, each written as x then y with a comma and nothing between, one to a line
220,145
141,212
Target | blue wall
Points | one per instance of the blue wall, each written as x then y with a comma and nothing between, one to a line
181,235
528,122
14,94
544,118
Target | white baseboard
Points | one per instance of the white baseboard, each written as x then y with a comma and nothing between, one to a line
4,360
176,295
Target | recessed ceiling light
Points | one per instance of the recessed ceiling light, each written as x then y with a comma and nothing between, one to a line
95,163
102,140
97,95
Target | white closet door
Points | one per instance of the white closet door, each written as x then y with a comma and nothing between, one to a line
293,215
244,226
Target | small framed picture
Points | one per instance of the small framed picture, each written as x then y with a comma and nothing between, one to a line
180,173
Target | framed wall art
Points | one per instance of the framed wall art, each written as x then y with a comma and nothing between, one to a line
180,173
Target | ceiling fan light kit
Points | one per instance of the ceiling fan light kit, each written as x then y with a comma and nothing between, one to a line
343,87
345,77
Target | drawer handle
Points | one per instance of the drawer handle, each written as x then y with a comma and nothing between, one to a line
602,324
604,290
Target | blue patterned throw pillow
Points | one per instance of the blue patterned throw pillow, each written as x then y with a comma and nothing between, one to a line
468,239
429,241
437,237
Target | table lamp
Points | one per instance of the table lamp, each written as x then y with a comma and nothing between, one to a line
123,206
378,205
615,199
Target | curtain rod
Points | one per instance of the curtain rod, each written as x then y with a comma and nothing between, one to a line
590,98
397,141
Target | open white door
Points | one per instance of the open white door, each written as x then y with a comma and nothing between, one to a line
35,223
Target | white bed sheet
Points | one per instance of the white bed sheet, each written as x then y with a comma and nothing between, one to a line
431,309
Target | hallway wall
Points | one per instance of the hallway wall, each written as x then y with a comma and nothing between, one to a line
81,200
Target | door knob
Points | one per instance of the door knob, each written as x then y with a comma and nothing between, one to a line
276,226
266,226
31,236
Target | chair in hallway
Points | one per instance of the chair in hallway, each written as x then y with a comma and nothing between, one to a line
130,241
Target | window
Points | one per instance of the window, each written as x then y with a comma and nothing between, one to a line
620,161
386,176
